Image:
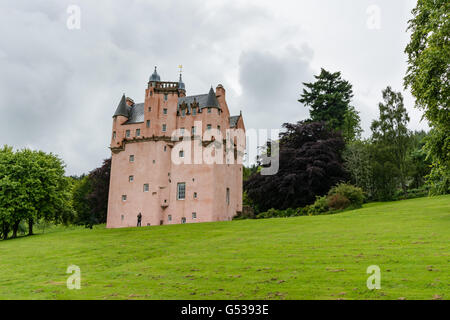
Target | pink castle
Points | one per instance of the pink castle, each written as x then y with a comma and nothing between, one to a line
175,158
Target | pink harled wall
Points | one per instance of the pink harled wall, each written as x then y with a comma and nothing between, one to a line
153,165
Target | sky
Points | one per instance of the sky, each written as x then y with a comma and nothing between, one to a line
64,65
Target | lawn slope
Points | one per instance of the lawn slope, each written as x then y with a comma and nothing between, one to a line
321,257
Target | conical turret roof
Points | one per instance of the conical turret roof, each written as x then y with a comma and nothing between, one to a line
212,99
122,109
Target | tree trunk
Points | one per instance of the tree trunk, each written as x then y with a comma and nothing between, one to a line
15,228
5,230
30,226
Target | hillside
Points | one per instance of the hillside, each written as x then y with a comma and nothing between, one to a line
320,257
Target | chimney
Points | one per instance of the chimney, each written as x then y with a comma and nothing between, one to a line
130,102
220,91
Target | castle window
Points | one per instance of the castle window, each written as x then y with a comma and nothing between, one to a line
169,217
182,131
208,127
181,191
209,110
124,197
127,133
148,123
165,96
193,130
183,220
183,112
165,148
218,128
165,111
132,158
138,132
194,111
151,93
228,196
195,195
164,127
121,217
194,215
114,135
181,154
131,178
149,109
146,187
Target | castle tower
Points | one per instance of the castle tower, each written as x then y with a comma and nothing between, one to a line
156,169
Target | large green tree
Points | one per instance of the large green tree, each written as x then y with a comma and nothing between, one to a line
329,100
391,135
32,187
428,76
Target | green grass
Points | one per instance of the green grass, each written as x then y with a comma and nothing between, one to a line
321,257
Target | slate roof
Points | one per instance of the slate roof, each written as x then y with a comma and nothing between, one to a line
122,109
208,100
233,121
136,114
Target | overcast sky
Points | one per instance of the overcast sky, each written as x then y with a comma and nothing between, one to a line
59,87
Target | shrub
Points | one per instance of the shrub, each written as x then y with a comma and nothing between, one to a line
337,202
355,195
319,206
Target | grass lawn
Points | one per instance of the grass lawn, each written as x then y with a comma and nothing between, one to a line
321,257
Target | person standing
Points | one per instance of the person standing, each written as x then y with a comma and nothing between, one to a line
139,219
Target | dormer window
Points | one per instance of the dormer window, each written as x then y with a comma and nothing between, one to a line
194,111
209,110
183,112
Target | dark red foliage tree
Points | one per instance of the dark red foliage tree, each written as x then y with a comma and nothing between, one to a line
98,197
309,165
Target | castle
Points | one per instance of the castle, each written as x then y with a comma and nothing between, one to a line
175,158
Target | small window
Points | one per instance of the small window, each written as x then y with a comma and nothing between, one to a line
146,187
132,158
131,178
127,133
151,93
228,196
165,96
149,109
165,111
183,220
181,153
114,135
122,217
165,148
194,215
183,112
218,128
209,110
169,217
195,195
124,197
164,127
182,131
148,123
193,130
138,132
194,111
181,191
208,127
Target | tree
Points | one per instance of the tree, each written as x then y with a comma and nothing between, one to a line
32,186
90,196
309,165
329,100
357,161
428,76
390,133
